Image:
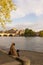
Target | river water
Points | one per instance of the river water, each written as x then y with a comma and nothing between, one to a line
23,43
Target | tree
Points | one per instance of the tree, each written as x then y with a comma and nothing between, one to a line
6,6
26,33
29,32
41,33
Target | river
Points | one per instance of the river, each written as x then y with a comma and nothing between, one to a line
23,43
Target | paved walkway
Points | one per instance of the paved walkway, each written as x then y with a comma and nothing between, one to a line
7,60
36,58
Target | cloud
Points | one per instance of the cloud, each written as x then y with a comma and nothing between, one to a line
28,7
17,14
25,7
38,25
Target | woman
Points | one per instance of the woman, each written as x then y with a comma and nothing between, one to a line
13,50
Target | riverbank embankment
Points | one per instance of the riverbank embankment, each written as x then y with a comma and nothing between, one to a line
12,60
36,58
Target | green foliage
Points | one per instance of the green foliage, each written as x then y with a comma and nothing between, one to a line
29,32
41,33
6,6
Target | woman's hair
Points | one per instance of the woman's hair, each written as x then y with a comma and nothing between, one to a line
13,43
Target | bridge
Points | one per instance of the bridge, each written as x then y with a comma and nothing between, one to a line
8,34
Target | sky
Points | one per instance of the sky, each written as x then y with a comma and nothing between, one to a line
28,14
